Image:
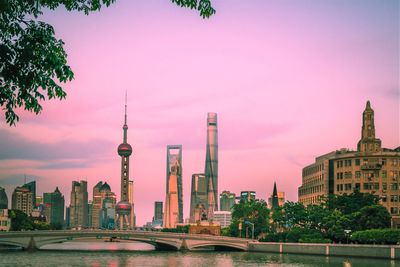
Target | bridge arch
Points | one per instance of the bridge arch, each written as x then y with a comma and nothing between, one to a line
220,246
39,242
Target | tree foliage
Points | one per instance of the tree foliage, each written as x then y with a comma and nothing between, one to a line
20,221
254,211
332,218
33,62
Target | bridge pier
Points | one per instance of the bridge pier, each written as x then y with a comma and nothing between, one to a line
31,245
184,246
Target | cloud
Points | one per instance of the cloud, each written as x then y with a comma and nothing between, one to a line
79,164
57,155
393,92
17,178
232,135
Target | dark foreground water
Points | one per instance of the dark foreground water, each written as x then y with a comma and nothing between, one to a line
107,254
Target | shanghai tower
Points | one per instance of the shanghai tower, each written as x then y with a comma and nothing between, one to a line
211,168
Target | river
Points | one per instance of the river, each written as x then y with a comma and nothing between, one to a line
138,254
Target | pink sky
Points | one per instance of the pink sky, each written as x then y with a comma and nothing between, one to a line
288,79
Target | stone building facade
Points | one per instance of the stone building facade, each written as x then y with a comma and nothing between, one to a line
369,169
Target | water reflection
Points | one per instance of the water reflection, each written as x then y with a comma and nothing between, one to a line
139,254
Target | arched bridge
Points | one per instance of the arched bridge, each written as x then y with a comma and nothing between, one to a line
31,240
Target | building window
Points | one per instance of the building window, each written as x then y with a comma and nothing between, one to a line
393,186
347,187
384,174
358,174
357,187
394,198
384,186
348,175
366,186
394,210
384,198
357,162
376,186
383,162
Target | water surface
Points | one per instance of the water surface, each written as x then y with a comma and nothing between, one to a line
139,254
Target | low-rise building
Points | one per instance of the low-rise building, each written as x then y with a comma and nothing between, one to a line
5,220
223,218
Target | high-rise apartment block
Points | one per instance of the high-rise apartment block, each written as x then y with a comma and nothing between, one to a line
370,169
54,205
22,199
198,194
79,205
226,200
173,203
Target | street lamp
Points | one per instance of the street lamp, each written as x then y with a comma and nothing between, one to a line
252,226
347,233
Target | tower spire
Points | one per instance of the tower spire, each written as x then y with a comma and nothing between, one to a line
368,142
126,101
125,121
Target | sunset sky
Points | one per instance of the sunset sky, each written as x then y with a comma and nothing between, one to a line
288,79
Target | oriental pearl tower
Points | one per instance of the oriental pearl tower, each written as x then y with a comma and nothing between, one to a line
123,207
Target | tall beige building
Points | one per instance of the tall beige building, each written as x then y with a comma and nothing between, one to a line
79,204
22,200
369,169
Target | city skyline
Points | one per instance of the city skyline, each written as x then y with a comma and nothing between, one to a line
306,83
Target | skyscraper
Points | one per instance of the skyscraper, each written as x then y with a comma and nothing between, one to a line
107,214
173,203
3,199
54,207
198,193
124,208
79,204
158,213
247,195
32,188
226,200
211,165
101,192
131,197
96,206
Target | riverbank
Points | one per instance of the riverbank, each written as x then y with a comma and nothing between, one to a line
348,250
